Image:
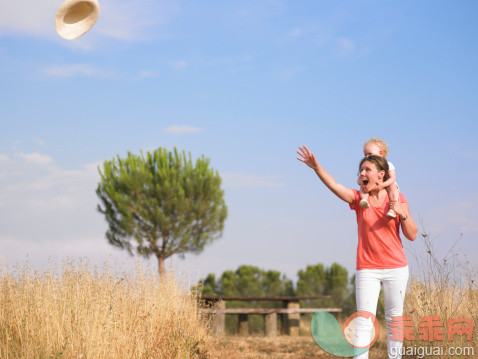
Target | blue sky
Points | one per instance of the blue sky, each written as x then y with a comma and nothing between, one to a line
244,83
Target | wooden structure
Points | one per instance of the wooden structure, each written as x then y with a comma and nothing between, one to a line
290,313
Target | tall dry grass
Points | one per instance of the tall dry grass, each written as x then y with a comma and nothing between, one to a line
78,312
444,286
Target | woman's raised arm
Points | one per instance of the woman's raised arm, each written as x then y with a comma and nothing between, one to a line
345,194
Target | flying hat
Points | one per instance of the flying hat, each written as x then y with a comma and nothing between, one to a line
75,17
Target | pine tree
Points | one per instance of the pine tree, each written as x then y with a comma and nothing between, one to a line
161,203
312,280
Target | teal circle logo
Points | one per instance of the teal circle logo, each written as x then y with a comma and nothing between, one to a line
343,341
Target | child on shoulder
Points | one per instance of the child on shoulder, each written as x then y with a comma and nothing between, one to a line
378,147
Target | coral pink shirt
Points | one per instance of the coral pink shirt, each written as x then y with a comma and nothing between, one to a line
379,244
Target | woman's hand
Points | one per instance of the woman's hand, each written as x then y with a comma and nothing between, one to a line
308,158
340,191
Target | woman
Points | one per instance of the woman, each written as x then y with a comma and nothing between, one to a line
380,256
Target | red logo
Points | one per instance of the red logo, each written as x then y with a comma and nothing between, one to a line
365,320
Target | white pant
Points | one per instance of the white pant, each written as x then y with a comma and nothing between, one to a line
367,284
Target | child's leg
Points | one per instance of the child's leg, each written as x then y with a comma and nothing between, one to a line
393,195
363,195
363,199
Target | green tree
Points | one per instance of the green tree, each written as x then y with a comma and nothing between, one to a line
337,283
248,281
311,281
349,305
209,285
276,286
318,280
161,203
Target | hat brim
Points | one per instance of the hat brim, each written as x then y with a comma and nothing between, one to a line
76,17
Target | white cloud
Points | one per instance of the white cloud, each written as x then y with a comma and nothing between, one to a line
72,70
69,70
470,154
179,65
453,218
90,250
240,180
235,62
30,17
38,141
134,19
4,159
36,158
182,129
345,46
41,201
287,74
315,33
148,74
126,20
295,33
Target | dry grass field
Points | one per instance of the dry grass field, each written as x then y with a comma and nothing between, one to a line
79,312
281,347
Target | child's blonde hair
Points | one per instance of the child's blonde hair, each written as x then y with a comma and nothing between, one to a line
381,144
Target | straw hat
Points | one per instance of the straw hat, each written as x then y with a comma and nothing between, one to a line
75,17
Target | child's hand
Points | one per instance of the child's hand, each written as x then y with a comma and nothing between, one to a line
398,208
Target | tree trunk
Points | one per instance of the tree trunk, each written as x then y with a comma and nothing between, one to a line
162,271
